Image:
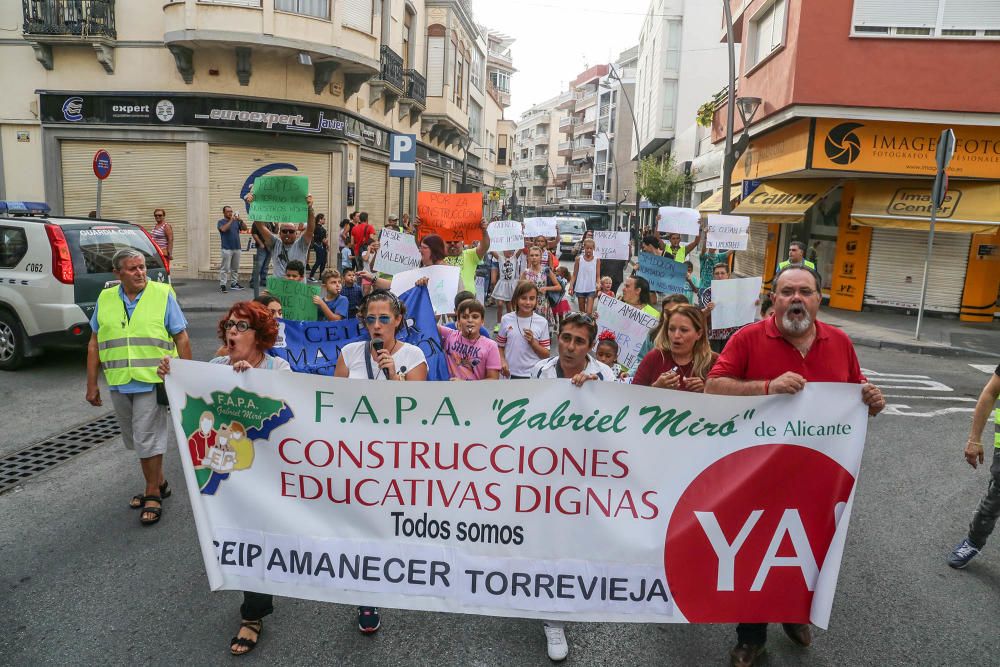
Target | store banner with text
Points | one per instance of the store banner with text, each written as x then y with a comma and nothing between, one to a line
534,499
452,216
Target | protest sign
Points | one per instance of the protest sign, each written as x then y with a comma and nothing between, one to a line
665,275
397,252
313,347
676,220
611,245
728,232
443,284
296,298
530,499
280,199
735,302
630,326
453,217
506,235
535,227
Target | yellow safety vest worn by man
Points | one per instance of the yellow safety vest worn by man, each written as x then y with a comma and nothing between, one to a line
806,263
679,254
130,347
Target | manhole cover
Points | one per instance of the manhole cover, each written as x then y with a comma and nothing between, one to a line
39,457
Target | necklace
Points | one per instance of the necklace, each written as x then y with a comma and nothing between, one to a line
517,320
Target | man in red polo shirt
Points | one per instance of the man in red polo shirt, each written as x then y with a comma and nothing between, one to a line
779,355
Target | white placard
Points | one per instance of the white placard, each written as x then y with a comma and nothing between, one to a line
674,220
728,232
443,285
611,245
630,326
397,252
506,235
735,302
535,227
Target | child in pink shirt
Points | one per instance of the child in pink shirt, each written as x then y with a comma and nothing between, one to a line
470,355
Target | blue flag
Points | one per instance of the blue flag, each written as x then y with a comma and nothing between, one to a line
665,275
313,347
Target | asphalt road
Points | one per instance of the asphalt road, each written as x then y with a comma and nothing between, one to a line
82,583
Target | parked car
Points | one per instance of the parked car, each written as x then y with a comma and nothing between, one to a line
51,271
570,235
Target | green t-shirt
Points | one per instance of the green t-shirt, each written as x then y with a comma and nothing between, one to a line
651,310
467,263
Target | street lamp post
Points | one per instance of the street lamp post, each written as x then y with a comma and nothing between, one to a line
614,174
638,147
747,107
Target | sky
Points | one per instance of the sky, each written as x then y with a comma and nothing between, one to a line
556,40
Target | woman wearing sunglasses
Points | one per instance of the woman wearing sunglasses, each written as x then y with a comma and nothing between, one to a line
382,357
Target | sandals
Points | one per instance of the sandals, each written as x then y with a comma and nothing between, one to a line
250,644
155,511
136,501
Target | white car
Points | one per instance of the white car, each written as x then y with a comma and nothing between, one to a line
51,271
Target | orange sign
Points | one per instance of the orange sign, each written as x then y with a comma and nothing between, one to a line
453,217
850,262
779,152
903,148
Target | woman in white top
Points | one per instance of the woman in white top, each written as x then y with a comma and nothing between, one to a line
382,314
586,270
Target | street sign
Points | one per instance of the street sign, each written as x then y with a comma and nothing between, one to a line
749,185
945,149
940,188
403,155
102,164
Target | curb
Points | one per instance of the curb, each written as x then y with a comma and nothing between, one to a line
917,348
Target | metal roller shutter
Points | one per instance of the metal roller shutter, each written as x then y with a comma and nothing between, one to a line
144,176
896,269
394,196
371,195
430,183
750,262
231,166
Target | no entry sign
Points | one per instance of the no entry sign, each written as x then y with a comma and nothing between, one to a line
102,164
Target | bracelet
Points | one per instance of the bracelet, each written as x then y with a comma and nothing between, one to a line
973,442
767,387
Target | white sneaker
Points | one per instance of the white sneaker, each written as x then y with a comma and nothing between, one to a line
555,638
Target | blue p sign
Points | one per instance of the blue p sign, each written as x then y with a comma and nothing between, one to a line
403,155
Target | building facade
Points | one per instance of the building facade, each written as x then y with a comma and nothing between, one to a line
842,151
539,176
194,99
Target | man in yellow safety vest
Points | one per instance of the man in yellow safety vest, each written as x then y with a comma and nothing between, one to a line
796,255
135,324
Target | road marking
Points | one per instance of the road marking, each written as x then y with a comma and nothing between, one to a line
896,409
986,368
933,398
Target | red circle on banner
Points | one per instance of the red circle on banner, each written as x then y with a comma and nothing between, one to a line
796,489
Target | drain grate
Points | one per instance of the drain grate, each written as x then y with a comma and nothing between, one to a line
52,451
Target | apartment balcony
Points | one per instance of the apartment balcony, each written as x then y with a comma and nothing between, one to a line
566,124
388,84
279,29
586,127
501,96
605,110
582,151
582,176
542,159
565,148
564,170
566,101
49,23
541,139
562,194
585,99
414,100
503,60
601,168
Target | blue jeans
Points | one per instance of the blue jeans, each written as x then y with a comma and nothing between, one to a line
262,262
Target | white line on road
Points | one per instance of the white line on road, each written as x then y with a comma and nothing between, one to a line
933,398
896,409
986,368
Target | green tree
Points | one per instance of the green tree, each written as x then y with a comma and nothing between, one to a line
661,182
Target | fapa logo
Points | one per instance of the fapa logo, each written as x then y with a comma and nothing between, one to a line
842,145
72,109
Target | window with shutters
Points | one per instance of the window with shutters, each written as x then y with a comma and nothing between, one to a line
317,8
766,34
408,21
435,62
477,69
358,14
949,19
459,80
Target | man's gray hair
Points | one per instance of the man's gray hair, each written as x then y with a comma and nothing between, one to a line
123,254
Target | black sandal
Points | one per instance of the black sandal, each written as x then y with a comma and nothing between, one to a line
239,642
156,511
136,501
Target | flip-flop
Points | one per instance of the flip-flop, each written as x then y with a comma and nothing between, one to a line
136,501
256,626
156,511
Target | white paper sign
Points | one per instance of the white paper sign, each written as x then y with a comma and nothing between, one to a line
735,302
506,235
630,326
728,232
676,220
443,285
611,245
397,252
535,227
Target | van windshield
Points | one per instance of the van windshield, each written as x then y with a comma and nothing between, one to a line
571,227
92,248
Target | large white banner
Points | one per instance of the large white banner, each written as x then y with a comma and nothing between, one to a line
535,499
630,326
611,245
397,252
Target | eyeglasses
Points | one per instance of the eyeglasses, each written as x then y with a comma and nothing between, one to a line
381,319
157,215
242,326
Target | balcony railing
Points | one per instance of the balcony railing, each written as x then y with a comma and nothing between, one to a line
601,168
416,87
565,145
391,70
605,109
562,194
564,170
568,122
82,18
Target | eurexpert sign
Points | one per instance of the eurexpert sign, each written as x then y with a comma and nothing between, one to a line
535,499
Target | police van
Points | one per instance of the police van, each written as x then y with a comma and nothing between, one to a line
51,271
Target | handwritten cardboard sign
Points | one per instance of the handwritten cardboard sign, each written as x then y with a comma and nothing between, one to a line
728,232
295,297
629,324
506,235
397,252
280,199
453,217
535,227
611,245
443,284
735,302
674,220
664,274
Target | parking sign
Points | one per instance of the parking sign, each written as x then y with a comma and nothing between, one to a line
403,155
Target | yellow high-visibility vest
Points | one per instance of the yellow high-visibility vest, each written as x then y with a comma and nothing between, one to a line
130,348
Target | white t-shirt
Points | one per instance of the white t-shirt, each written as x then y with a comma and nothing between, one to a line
549,368
520,357
406,358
